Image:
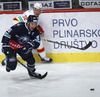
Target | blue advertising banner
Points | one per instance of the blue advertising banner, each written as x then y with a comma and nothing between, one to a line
62,4
8,6
11,6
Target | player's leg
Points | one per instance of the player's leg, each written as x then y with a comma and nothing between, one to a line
11,61
31,64
4,62
42,54
29,59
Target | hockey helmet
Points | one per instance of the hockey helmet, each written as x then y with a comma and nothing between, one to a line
32,18
38,6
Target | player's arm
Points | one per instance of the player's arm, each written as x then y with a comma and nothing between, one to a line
5,41
40,29
7,36
35,41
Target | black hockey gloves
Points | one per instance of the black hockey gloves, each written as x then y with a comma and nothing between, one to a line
6,49
31,45
35,44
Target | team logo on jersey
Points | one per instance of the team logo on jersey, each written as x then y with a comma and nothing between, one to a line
23,40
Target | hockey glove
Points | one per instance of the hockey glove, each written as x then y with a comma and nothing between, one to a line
36,44
31,45
6,49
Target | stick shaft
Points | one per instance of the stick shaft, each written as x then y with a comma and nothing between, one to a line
83,48
22,64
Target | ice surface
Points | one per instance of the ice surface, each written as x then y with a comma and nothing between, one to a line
63,80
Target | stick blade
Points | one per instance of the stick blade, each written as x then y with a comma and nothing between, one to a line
43,76
87,46
38,75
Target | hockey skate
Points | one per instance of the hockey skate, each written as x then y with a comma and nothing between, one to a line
34,74
31,70
7,69
30,73
45,59
4,62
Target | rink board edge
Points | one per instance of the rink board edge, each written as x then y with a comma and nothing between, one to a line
67,57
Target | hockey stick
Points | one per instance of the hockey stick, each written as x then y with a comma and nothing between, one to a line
83,48
36,75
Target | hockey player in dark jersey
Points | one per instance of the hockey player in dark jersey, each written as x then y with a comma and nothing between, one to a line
21,38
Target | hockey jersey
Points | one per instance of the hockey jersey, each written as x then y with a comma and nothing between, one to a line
18,35
24,16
